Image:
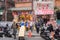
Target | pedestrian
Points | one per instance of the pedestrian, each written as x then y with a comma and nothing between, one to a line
14,27
41,21
37,26
22,30
52,27
27,25
31,25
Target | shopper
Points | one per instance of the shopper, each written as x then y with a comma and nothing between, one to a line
21,30
52,27
37,26
31,25
14,27
27,25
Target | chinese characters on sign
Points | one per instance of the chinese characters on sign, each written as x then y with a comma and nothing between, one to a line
41,7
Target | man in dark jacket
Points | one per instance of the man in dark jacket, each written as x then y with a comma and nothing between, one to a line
14,27
37,25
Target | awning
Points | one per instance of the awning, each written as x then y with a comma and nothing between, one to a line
21,8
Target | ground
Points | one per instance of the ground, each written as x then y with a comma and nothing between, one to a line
34,37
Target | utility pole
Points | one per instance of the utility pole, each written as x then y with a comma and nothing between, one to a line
5,10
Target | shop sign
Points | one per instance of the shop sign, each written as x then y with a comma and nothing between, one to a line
43,7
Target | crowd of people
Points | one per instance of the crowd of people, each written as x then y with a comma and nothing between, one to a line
50,27
26,25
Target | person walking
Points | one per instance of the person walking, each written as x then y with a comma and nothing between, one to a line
14,27
27,25
31,24
21,30
52,27
37,26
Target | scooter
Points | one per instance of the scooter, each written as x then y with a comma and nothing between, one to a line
6,32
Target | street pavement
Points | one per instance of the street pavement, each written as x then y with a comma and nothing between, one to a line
35,36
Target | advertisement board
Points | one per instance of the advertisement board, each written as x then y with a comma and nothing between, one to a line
43,7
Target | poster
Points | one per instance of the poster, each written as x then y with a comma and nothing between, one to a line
42,7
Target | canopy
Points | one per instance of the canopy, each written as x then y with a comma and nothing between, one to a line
21,8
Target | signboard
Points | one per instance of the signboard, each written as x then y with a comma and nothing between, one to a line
43,7
24,6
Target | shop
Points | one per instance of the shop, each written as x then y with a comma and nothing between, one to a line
23,10
44,9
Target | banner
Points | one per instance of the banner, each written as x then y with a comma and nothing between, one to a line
43,7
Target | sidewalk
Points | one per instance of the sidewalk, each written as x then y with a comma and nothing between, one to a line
34,34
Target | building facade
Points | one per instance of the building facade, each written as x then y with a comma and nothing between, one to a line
4,6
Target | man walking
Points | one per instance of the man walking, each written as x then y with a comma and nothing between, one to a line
14,30
37,26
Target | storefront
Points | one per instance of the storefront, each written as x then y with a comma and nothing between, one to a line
44,9
22,9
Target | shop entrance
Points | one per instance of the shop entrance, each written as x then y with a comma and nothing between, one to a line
45,18
58,17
